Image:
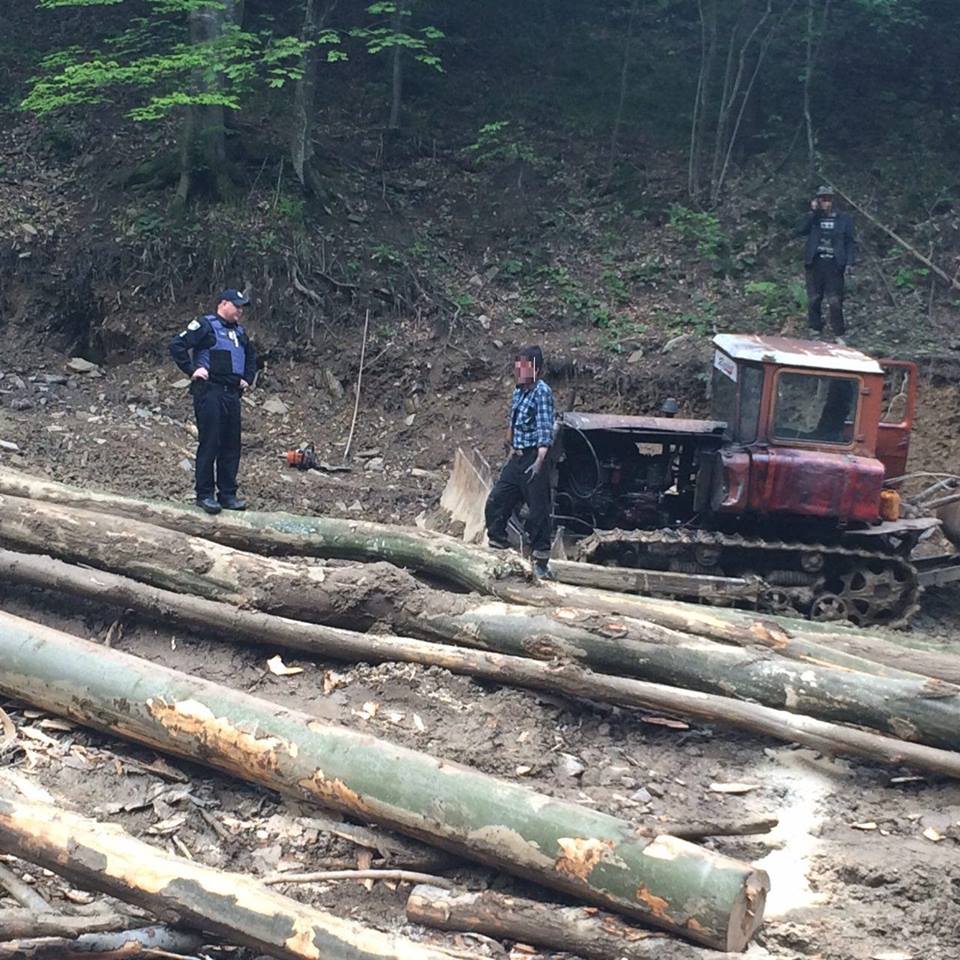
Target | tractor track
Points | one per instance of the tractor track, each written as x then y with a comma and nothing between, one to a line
881,606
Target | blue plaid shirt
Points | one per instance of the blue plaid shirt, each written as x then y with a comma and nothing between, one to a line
531,416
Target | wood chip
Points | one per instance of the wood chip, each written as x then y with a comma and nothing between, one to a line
735,788
891,955
168,827
279,669
418,723
666,722
522,769
864,825
933,834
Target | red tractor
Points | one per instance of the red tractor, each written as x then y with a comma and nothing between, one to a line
788,493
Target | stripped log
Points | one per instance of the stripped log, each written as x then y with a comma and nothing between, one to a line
495,575
229,623
909,707
24,924
242,910
153,941
701,895
575,930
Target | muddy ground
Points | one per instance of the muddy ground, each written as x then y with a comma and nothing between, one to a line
853,874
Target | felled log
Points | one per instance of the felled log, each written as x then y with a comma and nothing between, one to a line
104,857
797,639
24,924
231,624
153,941
910,707
583,932
288,533
711,899
492,574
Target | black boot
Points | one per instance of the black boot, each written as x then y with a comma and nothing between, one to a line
208,504
230,501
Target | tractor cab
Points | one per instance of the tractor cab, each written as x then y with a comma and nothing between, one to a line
813,429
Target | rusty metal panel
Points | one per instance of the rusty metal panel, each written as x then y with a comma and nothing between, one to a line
809,483
612,421
791,352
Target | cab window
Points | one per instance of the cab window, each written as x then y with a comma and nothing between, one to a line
751,391
814,408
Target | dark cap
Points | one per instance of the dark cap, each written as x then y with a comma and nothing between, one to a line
234,296
824,191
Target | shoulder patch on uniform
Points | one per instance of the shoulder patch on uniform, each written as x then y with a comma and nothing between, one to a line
193,325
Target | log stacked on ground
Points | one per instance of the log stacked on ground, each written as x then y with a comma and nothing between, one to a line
670,883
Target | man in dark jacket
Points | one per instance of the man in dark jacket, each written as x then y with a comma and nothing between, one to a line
830,248
215,352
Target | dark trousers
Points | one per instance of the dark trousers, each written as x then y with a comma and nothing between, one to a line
825,279
217,409
513,487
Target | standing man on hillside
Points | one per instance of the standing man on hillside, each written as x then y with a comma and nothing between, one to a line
830,248
524,476
215,352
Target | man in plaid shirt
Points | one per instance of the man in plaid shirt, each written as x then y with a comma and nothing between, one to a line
524,476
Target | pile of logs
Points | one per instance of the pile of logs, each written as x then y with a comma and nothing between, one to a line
257,578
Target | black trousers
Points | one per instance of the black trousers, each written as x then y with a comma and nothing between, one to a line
513,487
825,279
217,409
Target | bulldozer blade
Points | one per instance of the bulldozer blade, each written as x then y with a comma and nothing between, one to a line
466,493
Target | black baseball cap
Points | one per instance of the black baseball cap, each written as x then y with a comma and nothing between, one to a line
234,296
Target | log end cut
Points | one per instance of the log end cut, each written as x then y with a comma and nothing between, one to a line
746,916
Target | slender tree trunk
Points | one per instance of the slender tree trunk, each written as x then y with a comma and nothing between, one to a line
243,910
746,95
622,97
812,49
698,894
396,68
708,54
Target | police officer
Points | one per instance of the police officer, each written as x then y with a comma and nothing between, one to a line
220,360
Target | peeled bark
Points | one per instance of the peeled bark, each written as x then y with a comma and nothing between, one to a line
670,883
241,909
910,707
573,930
215,619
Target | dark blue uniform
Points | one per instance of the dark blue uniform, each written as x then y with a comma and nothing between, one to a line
226,352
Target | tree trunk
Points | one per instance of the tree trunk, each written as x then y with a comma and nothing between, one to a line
302,154
396,68
670,883
203,150
103,856
572,930
487,573
908,706
285,533
233,624
622,97
152,941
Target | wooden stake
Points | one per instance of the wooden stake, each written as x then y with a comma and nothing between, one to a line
356,399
